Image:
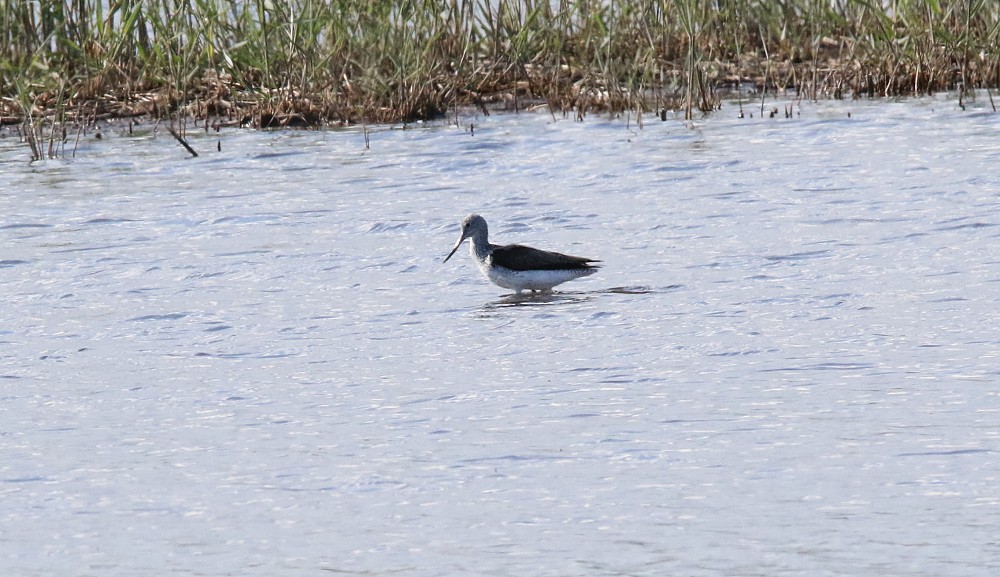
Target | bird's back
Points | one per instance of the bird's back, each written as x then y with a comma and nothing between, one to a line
523,258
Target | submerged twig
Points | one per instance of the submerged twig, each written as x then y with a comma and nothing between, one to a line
180,139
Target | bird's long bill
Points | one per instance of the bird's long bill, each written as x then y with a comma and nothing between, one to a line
457,244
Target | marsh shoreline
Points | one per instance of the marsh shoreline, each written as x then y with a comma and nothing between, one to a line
305,63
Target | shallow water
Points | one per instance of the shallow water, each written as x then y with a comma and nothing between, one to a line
254,362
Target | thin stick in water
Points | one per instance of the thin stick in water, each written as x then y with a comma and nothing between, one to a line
183,142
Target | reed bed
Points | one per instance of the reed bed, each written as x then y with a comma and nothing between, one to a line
270,63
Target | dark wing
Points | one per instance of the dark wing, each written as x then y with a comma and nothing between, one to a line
517,257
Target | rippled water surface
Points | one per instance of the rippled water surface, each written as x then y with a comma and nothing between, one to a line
254,362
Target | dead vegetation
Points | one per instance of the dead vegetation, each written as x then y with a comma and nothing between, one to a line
305,63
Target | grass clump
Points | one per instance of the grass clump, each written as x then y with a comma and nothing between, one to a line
311,62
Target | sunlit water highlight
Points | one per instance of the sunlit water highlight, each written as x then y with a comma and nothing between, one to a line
255,363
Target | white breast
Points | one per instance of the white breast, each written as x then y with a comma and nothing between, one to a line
536,280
